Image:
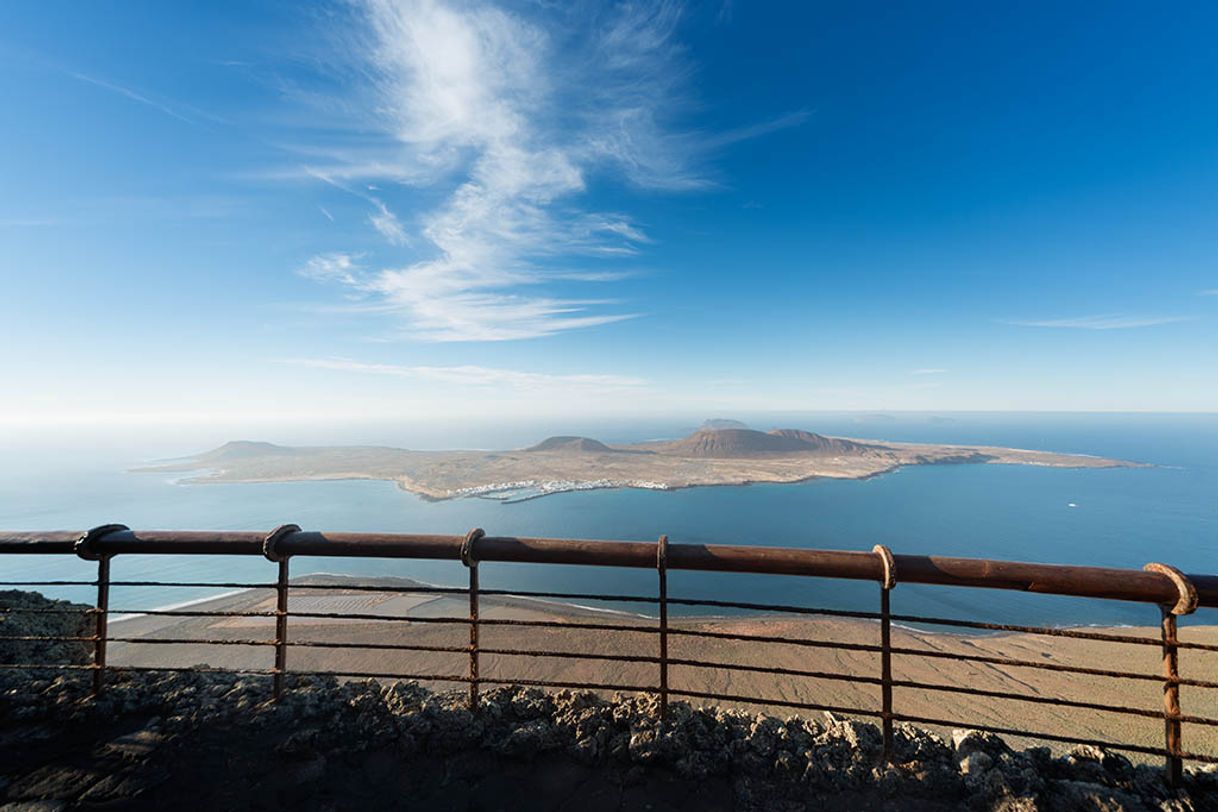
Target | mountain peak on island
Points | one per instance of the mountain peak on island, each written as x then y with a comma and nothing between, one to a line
721,423
571,444
730,443
244,449
820,442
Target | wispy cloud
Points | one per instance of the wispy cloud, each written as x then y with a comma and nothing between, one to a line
388,225
334,267
382,218
1210,292
469,375
130,94
516,111
927,371
1109,321
729,137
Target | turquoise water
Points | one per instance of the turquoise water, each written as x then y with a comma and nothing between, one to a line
1123,517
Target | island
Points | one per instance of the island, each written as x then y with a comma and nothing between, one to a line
709,456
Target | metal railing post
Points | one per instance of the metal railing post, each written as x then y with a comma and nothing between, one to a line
886,585
86,548
1186,603
1174,767
271,553
100,629
662,568
281,627
471,563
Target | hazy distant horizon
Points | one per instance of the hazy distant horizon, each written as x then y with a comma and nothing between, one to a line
144,440
1118,517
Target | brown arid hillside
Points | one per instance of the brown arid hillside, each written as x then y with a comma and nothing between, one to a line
735,443
578,445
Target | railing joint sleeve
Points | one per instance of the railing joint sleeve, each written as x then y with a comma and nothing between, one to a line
1186,593
467,546
889,563
270,544
86,545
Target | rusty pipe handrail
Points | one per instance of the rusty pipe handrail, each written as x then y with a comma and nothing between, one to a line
1053,579
1175,593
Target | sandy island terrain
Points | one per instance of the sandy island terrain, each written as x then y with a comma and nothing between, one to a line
981,710
561,464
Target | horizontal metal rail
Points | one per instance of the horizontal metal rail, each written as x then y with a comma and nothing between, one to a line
776,607
1055,737
789,641
1045,630
1056,579
778,703
376,646
1049,700
1170,590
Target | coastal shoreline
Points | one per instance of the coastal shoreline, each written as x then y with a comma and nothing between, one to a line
484,492
727,457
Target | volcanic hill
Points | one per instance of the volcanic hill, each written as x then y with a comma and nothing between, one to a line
735,443
583,445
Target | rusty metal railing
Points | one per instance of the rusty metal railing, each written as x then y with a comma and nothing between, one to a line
1175,593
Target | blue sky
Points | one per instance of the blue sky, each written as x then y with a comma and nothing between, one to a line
402,208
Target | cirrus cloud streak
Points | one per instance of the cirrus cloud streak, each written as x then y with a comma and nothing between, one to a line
513,111
1108,321
473,375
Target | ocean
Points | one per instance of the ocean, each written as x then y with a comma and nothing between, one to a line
1118,517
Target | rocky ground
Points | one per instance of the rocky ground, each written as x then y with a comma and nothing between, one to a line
20,624
200,740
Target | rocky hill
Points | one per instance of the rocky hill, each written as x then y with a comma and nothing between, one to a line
827,445
718,423
742,443
241,449
574,445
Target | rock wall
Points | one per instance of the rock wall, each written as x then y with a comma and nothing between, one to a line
51,624
197,740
